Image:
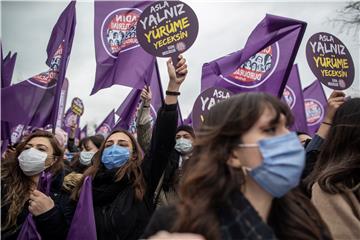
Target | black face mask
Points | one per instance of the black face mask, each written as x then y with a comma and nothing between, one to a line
307,141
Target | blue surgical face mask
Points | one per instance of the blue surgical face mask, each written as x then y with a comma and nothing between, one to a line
115,156
282,166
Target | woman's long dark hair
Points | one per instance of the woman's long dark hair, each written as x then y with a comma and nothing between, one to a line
295,217
208,180
132,168
337,168
16,184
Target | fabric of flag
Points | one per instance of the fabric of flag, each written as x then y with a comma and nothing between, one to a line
264,64
188,120
83,132
107,125
69,120
127,111
315,104
293,96
7,69
62,103
119,57
34,102
83,223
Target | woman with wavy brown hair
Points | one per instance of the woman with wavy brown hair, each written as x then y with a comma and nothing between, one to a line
20,173
335,180
123,180
244,163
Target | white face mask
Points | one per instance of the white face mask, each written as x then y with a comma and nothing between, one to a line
32,161
183,145
85,157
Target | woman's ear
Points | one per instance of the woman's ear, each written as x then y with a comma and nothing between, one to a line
234,159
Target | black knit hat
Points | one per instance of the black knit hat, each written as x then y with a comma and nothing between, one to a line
186,128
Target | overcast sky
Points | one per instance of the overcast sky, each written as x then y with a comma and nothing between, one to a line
223,28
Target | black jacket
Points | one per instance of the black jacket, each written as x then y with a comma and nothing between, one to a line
13,233
237,219
117,214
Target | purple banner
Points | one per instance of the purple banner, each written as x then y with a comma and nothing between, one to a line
264,64
107,125
315,105
127,111
7,69
293,96
119,58
34,102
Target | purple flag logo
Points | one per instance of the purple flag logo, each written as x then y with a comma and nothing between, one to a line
289,97
119,57
256,70
48,79
264,64
119,30
314,111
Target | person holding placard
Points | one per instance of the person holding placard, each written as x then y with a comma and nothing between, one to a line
123,180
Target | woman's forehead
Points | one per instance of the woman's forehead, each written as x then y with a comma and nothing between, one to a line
40,141
268,114
119,136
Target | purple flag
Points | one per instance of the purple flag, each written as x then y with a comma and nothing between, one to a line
315,105
7,69
119,57
83,132
62,103
127,111
70,119
62,35
293,96
83,223
28,230
265,62
107,125
34,102
188,120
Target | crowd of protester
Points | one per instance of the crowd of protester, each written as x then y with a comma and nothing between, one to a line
242,175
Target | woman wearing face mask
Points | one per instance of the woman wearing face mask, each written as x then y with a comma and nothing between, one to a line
90,146
244,158
20,173
123,180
